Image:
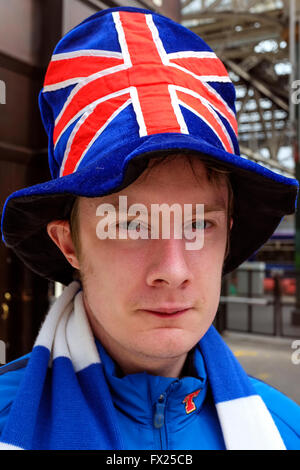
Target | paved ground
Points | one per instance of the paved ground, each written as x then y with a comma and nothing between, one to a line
270,359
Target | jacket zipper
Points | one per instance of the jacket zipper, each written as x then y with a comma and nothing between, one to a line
159,419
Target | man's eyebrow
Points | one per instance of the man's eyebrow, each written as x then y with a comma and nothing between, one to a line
219,208
207,207
115,201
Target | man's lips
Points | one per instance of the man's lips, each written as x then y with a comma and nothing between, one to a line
167,312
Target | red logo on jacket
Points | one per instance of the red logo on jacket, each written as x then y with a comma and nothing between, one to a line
189,404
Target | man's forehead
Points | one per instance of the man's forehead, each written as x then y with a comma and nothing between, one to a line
121,201
169,183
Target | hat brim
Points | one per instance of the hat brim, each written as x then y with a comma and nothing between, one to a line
261,198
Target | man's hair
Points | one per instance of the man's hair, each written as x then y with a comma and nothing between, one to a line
216,173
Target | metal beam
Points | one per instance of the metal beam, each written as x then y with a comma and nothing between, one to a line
267,161
243,102
255,121
257,84
252,60
212,6
238,17
186,3
252,3
236,39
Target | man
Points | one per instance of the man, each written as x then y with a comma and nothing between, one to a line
140,116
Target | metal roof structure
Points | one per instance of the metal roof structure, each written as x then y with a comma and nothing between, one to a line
257,42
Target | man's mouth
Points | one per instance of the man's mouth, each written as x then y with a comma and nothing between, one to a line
168,312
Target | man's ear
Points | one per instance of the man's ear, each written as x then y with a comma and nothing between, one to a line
59,231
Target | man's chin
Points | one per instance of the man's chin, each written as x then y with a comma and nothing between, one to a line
168,343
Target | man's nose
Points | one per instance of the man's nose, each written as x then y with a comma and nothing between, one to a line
168,265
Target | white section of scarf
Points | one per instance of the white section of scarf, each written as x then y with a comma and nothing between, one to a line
66,331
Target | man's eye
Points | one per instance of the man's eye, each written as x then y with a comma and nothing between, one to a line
132,225
201,224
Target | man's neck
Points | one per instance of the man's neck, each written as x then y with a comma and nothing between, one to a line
135,363
164,368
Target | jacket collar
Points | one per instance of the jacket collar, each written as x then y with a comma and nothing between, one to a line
137,395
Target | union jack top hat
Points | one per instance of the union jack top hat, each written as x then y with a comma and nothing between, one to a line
122,86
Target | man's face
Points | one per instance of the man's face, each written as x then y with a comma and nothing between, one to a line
125,280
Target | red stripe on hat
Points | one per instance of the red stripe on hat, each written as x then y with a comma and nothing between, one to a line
93,124
208,116
77,67
202,66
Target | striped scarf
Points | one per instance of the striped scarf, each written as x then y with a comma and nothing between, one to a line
64,401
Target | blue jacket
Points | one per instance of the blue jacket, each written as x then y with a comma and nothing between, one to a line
154,412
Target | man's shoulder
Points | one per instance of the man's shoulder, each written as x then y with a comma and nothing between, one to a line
285,412
13,366
10,377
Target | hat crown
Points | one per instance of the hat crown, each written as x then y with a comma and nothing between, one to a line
125,74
